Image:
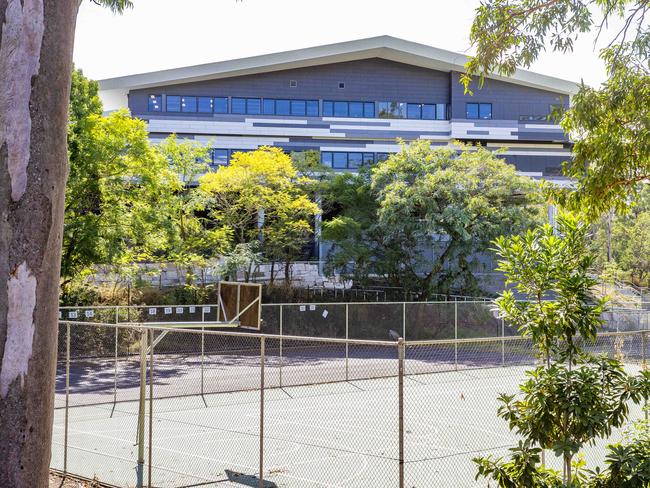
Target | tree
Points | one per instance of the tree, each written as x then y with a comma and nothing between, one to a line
573,398
259,195
610,125
117,188
36,42
454,200
191,239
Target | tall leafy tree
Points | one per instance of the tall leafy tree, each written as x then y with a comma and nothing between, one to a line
191,239
454,200
573,398
36,42
260,195
117,189
609,124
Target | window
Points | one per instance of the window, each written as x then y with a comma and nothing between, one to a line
414,111
298,107
428,111
220,105
441,111
253,106
154,103
293,83
341,84
238,105
282,107
479,110
328,109
219,157
485,110
347,160
369,109
348,109
340,109
173,103
188,104
382,157
312,108
355,109
269,106
391,110
205,105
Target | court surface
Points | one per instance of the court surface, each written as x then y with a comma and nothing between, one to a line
341,434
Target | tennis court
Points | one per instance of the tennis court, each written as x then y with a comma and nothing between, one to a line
331,409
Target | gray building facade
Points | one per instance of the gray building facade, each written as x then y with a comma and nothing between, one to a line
350,101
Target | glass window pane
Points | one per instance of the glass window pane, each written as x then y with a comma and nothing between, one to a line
220,157
328,109
356,109
298,107
188,104
382,157
391,110
485,111
312,108
340,109
441,111
472,110
220,105
369,109
205,105
282,107
238,105
326,158
173,103
269,106
253,106
155,103
368,159
355,160
428,111
414,111
339,160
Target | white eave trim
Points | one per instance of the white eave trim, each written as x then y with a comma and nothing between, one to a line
386,47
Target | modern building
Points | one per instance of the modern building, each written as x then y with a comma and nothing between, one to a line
351,101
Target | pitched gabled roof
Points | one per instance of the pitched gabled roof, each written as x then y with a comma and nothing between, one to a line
385,47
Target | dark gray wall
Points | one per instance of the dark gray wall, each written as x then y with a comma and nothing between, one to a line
365,80
508,100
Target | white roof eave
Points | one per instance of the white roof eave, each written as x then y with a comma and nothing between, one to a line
385,47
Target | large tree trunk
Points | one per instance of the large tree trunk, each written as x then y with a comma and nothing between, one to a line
36,40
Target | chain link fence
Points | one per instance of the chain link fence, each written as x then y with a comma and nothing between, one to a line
140,405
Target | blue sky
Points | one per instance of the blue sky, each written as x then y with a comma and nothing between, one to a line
159,34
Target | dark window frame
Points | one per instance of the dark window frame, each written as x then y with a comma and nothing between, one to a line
168,97
157,98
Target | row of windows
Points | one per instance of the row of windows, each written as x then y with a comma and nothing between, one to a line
309,108
350,160
333,159
479,110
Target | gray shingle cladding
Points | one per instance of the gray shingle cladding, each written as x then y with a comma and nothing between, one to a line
365,80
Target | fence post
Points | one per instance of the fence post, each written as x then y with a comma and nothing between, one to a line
403,319
262,359
141,409
202,356
347,345
115,367
281,346
644,363
150,407
67,398
503,343
456,335
400,376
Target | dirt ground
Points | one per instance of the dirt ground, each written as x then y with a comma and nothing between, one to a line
57,481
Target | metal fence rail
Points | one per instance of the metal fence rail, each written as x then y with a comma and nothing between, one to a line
231,408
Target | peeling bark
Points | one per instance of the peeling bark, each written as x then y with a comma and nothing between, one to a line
36,40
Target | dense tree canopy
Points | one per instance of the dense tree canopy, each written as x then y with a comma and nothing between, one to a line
609,124
454,200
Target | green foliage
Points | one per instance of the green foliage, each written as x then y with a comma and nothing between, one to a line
610,125
116,6
456,201
574,398
116,187
553,269
244,257
260,195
